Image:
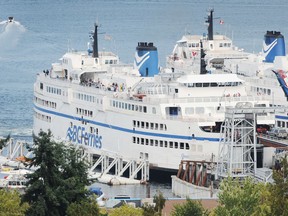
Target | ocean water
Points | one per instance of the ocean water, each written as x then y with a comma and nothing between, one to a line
46,29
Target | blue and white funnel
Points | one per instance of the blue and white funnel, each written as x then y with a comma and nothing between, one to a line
273,45
146,59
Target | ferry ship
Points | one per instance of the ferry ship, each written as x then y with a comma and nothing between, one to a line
138,111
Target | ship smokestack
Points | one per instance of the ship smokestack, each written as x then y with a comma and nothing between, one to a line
273,45
95,43
146,59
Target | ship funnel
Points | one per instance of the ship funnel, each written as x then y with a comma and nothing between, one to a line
273,45
146,59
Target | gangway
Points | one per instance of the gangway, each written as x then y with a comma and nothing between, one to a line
14,149
238,141
113,166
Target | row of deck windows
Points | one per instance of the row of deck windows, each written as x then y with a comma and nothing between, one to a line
42,117
149,125
45,102
261,91
53,90
85,97
225,45
160,143
128,106
84,112
213,84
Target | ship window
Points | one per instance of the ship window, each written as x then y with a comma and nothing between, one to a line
156,126
205,84
269,91
189,110
156,142
142,124
165,144
91,129
145,109
286,124
161,143
151,142
161,127
142,141
187,146
176,145
140,108
198,84
138,124
134,140
41,86
199,110
147,125
134,123
171,144
151,125
146,141
181,145
138,140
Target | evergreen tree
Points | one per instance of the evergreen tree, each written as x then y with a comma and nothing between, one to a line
59,179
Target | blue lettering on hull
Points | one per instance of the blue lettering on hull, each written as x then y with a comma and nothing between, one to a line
79,135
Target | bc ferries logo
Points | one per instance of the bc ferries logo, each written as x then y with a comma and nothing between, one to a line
79,135
139,60
269,47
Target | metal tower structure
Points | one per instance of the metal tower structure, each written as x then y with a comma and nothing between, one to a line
238,141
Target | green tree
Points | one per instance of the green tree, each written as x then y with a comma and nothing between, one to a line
10,203
3,142
126,210
278,199
149,210
242,198
59,179
159,200
191,207
88,207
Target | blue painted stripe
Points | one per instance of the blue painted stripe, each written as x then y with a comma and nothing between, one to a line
172,136
281,117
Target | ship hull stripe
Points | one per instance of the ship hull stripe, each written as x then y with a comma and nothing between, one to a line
172,136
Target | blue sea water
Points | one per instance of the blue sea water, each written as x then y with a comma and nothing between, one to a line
48,28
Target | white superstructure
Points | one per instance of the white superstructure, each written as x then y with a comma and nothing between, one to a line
201,54
137,111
